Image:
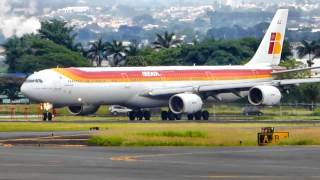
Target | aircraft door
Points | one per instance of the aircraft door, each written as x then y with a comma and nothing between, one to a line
210,76
125,79
56,83
254,73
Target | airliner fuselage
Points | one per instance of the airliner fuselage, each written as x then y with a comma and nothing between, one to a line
129,86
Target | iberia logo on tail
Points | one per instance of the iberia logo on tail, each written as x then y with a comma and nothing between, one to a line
275,44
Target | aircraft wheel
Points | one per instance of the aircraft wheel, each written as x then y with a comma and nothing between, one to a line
164,115
132,115
190,117
171,116
45,116
178,116
198,115
139,115
205,115
147,115
49,116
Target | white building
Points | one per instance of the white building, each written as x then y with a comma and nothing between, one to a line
74,9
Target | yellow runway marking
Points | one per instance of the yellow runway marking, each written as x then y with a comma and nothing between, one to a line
136,157
7,145
124,158
72,146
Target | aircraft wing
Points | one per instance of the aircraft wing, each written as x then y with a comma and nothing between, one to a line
226,87
294,70
294,81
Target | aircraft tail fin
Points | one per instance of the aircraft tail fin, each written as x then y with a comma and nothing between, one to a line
269,51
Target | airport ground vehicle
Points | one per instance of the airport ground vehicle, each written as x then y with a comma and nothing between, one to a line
183,89
252,110
116,109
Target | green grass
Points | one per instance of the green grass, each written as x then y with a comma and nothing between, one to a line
105,141
298,142
187,133
193,134
181,134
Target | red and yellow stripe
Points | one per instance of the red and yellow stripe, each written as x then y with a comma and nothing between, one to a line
163,75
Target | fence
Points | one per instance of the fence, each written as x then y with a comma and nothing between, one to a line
227,111
20,112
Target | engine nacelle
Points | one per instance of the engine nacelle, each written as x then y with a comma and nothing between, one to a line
83,110
264,95
185,103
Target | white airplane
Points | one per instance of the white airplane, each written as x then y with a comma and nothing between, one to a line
183,89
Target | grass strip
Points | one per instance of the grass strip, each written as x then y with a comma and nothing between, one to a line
181,134
187,133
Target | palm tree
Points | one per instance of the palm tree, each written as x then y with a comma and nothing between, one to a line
96,51
117,50
132,50
166,41
78,47
309,48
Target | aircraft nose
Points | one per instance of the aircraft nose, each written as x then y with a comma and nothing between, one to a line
25,90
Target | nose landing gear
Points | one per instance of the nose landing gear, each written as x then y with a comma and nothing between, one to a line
48,111
47,116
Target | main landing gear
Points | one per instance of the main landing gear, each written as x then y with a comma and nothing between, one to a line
139,115
200,115
166,115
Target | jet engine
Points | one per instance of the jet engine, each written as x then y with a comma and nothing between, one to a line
83,110
185,103
264,95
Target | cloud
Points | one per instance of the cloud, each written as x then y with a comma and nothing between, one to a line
32,9
18,25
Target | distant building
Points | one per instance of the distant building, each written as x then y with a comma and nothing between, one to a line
150,26
75,9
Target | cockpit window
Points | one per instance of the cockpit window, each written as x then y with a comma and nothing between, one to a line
34,81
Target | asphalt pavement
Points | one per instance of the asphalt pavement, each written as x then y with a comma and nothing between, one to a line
118,163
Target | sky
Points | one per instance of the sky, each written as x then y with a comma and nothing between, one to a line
12,24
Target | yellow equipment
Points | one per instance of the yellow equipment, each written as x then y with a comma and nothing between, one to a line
267,136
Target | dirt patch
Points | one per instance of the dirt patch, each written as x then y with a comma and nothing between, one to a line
50,140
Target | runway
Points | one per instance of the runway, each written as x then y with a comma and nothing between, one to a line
83,163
